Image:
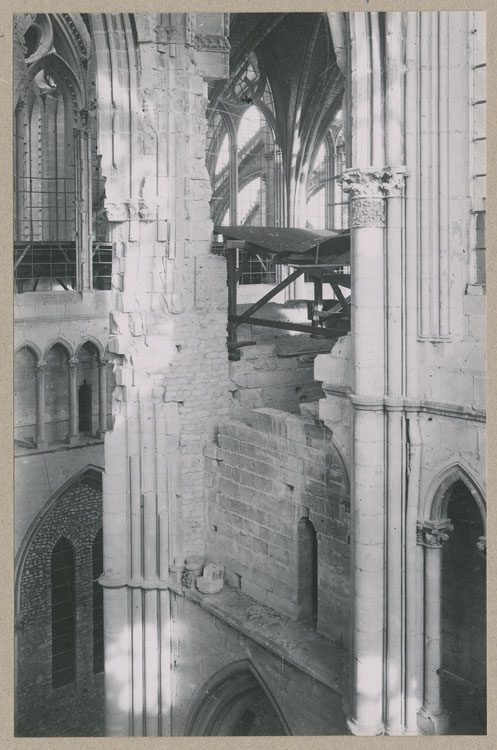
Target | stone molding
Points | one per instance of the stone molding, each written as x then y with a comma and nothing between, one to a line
366,403
433,534
45,39
409,406
155,584
367,189
211,43
82,43
444,410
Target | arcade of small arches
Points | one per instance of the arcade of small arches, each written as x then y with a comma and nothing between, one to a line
61,395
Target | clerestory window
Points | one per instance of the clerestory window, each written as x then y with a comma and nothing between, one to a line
60,232
244,162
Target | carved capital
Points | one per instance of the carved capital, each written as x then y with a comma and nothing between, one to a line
373,182
368,189
481,544
433,534
394,182
367,212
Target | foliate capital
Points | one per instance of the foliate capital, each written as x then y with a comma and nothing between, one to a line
481,544
368,189
373,182
433,534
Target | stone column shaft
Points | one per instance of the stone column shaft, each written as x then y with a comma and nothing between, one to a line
73,402
165,664
395,563
102,398
118,699
395,452
433,645
367,265
432,535
40,406
368,573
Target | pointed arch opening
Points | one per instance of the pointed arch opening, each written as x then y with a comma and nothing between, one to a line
88,388
57,393
235,702
463,614
453,537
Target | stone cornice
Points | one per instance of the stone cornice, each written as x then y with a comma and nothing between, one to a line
452,411
139,583
445,410
366,403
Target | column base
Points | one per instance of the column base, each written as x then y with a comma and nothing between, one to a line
433,723
365,730
73,439
41,444
395,731
101,434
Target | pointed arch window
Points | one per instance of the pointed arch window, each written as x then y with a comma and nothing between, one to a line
45,189
327,204
60,235
63,590
244,162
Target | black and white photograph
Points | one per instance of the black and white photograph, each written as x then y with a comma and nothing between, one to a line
249,373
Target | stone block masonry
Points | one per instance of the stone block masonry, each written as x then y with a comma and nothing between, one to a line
268,472
302,671
278,372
